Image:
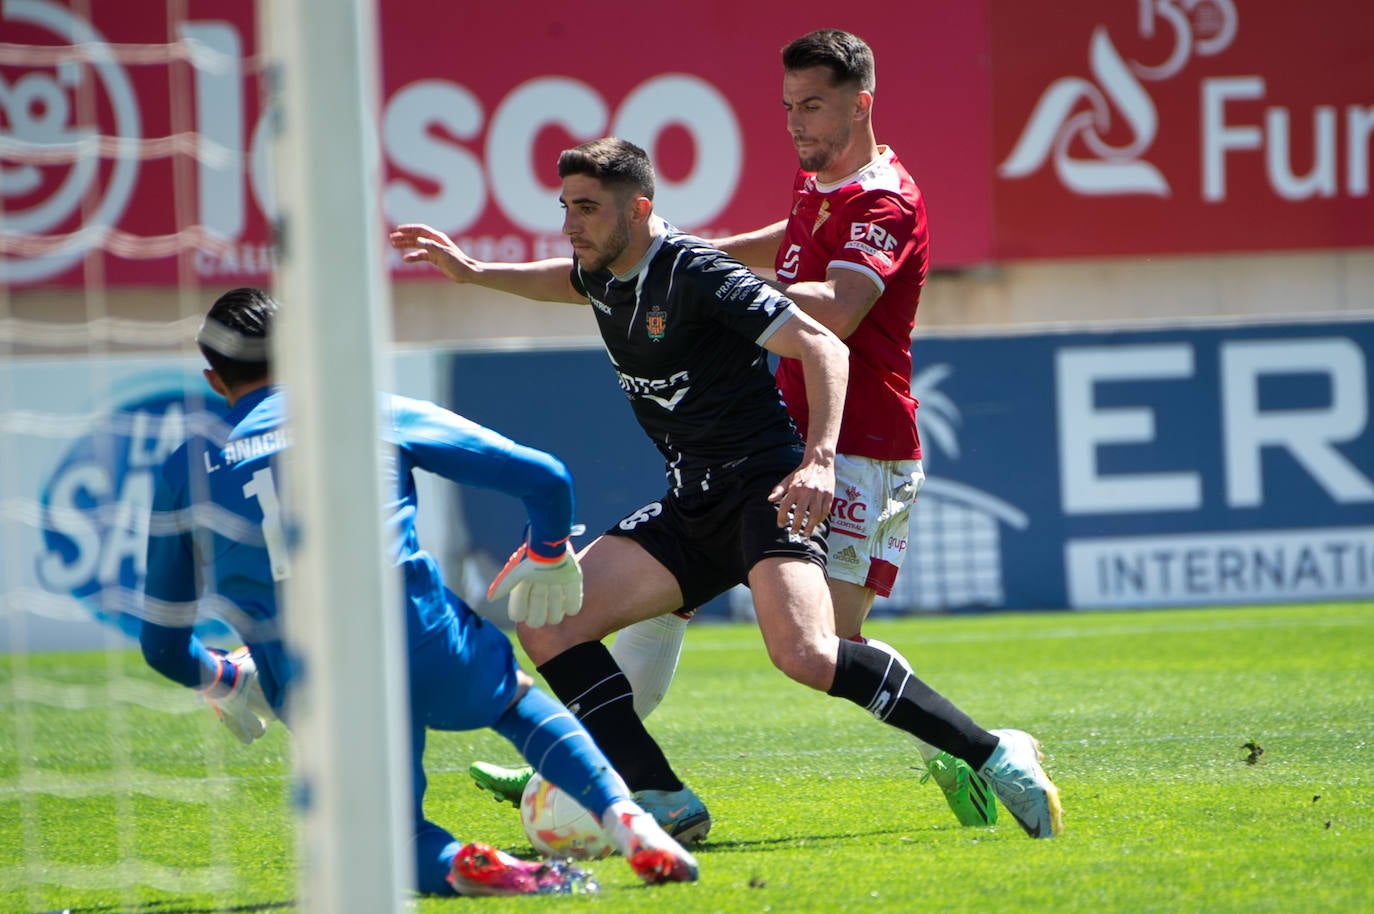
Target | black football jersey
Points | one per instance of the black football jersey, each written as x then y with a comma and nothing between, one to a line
685,331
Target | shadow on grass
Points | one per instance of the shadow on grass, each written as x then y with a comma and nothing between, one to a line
809,841
178,907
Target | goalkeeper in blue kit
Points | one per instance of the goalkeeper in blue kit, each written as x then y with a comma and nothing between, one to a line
216,538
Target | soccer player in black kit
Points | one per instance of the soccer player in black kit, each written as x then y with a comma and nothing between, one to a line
688,330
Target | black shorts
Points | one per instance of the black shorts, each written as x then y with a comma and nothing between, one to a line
709,540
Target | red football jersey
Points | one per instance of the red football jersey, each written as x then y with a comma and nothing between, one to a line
873,221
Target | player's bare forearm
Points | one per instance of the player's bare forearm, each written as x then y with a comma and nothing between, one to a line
839,302
539,280
805,496
825,363
756,249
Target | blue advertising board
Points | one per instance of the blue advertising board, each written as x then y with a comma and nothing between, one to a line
1196,465
567,402
82,440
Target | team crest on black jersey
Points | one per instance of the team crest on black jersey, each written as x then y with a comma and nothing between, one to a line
656,323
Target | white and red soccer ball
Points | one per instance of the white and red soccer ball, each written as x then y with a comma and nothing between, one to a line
558,826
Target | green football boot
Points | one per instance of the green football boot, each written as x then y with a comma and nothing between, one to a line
504,784
965,790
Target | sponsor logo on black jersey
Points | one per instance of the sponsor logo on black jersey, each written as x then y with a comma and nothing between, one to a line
770,304
740,285
666,392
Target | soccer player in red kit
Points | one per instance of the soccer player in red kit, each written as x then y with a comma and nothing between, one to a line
853,254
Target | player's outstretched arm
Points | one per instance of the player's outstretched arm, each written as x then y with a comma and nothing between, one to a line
805,496
757,249
539,280
542,578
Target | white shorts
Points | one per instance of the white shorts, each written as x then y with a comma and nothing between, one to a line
870,519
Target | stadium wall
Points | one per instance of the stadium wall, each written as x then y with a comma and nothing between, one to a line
1181,464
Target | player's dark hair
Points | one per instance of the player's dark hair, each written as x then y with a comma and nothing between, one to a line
848,57
235,338
618,164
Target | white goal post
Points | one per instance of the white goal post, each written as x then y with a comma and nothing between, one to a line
341,601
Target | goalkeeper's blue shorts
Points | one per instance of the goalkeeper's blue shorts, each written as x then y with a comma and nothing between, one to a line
463,676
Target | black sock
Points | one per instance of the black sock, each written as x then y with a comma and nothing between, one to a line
874,680
586,678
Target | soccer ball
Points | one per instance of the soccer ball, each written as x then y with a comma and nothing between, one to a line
558,826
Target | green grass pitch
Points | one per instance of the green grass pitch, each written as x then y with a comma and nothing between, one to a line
1152,722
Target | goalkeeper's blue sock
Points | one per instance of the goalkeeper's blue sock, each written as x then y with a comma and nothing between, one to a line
559,747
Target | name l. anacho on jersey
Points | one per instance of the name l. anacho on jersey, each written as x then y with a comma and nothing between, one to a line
268,442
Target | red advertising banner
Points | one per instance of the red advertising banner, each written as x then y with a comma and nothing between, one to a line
128,142
135,149
478,111
1180,126
477,100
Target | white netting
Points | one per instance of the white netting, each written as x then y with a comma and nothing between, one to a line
137,144
118,788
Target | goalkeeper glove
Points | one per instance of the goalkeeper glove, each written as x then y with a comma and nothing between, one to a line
244,708
542,591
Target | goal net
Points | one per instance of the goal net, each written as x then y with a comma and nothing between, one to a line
151,157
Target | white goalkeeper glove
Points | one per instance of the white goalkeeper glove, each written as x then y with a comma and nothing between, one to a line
244,708
542,591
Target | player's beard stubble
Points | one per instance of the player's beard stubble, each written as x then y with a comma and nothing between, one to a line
820,151
599,256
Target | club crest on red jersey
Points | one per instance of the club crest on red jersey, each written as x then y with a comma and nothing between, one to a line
822,214
656,322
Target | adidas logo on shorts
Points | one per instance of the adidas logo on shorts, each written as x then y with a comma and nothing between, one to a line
848,555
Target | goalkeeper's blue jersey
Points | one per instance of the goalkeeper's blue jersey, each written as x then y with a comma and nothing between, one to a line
217,532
